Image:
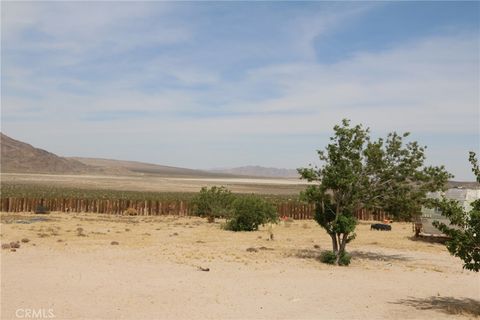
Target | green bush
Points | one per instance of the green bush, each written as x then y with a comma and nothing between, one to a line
345,259
249,213
213,203
329,257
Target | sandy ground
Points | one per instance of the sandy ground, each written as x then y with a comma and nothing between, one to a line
153,272
159,183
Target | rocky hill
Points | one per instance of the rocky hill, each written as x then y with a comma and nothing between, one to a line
20,157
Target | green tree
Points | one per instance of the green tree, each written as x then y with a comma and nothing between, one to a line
213,203
464,231
360,173
249,212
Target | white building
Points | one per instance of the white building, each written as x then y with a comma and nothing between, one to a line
464,196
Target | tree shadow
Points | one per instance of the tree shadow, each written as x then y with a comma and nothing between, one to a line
448,305
375,256
429,239
315,254
308,254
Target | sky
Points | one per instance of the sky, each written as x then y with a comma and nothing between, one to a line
225,84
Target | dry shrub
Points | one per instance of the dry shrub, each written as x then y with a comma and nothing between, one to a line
80,232
131,212
5,245
15,245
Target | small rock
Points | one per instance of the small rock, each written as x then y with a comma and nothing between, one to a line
15,245
25,240
316,246
13,250
252,250
5,246
114,243
265,248
203,269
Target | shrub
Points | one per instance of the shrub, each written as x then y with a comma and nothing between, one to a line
249,213
80,232
345,259
41,210
131,212
213,203
329,257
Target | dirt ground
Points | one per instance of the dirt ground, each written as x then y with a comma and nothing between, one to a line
154,272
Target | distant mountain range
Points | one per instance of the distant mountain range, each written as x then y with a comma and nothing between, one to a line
21,157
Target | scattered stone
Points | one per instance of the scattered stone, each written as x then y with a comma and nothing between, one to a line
114,243
5,245
80,232
203,269
15,245
200,241
316,246
265,248
252,249
13,250
259,237
126,229
25,240
174,234
59,240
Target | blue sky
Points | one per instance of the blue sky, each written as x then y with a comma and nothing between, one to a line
216,84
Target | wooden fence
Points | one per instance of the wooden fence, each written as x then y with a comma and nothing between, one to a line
295,210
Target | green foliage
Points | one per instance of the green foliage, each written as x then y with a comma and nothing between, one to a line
250,212
213,203
44,191
329,257
464,233
360,173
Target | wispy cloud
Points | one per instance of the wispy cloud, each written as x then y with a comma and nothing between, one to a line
210,76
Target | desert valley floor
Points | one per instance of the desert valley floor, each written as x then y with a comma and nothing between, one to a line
154,272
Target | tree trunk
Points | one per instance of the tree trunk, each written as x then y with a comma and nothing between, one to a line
334,242
343,245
